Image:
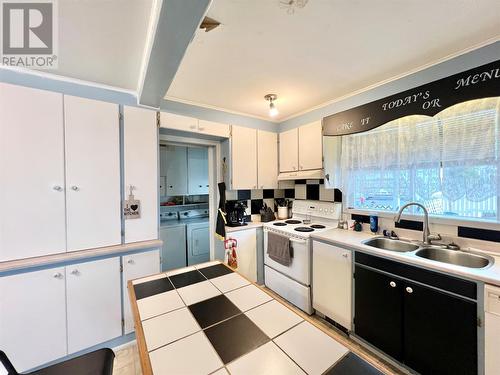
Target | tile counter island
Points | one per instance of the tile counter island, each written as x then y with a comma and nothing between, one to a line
209,319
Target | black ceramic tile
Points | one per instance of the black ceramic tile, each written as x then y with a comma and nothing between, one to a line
289,193
187,278
337,195
150,288
479,234
361,218
312,192
235,337
268,193
351,364
215,271
244,194
213,310
256,206
300,182
410,224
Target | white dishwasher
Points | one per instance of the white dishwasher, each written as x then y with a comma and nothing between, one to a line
332,282
492,329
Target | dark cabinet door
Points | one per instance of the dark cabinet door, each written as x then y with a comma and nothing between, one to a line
440,332
378,310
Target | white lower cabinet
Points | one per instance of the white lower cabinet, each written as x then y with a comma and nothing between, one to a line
33,317
246,252
492,330
134,267
332,282
93,303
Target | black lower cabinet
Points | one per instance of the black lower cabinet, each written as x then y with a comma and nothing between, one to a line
430,331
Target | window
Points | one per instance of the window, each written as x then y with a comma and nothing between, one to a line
449,162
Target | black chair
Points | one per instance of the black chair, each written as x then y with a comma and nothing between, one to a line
99,362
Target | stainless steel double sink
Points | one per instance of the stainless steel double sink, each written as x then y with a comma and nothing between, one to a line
435,253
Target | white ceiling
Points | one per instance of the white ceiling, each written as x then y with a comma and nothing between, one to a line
103,40
326,50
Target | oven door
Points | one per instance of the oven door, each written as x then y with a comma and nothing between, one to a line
300,268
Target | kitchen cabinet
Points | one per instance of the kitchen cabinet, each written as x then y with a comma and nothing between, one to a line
332,282
430,328
301,148
492,329
140,168
176,170
31,172
198,243
136,266
33,317
246,251
267,160
193,125
173,252
197,170
213,128
92,150
243,158
93,303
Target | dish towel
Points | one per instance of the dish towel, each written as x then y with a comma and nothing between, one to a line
220,226
279,249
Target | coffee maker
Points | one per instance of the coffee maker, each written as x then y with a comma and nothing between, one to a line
235,211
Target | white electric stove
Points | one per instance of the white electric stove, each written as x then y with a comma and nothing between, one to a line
294,282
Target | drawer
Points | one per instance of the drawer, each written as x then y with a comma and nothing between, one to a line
492,299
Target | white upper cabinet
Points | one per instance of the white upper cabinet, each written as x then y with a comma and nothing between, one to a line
310,146
213,128
178,122
92,173
31,172
267,159
140,149
289,151
197,160
243,158
176,170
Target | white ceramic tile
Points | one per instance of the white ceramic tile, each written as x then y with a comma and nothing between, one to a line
273,318
247,297
180,270
231,195
248,210
279,193
266,360
207,264
159,304
326,194
269,202
286,184
198,292
149,278
312,349
169,327
222,371
257,194
312,182
300,191
229,282
191,355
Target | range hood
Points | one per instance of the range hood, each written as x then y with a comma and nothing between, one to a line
312,174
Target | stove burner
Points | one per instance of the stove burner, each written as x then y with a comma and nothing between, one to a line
279,224
304,229
293,221
318,226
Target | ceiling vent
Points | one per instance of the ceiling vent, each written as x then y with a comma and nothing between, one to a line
209,24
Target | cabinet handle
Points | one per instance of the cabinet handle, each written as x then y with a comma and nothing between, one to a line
201,128
392,284
75,188
75,272
170,186
200,185
58,275
409,290
301,167
207,185
345,255
57,188
130,261
294,168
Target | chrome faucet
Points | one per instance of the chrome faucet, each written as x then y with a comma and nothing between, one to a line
428,237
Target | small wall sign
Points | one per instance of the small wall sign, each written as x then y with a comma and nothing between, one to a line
131,207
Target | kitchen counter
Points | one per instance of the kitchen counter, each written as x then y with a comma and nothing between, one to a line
209,319
353,240
250,225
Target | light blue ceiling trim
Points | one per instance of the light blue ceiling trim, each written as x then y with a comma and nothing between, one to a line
480,56
176,26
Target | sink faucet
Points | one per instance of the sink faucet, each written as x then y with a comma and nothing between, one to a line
428,237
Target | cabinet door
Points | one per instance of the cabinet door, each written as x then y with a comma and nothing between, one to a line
33,317
332,282
140,148
178,122
440,332
289,151
246,252
197,170
93,303
134,267
176,170
198,244
378,310
492,343
244,158
213,128
267,159
92,173
31,172
310,146
173,252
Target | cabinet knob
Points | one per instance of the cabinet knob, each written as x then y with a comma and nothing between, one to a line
294,168
58,275
57,188
130,261
207,185
200,185
301,167
171,186
345,255
75,188
75,272
392,284
201,128
409,290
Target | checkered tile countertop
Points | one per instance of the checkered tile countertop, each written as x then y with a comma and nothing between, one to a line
210,320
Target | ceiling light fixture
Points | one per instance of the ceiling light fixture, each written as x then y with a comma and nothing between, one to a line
273,111
291,5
